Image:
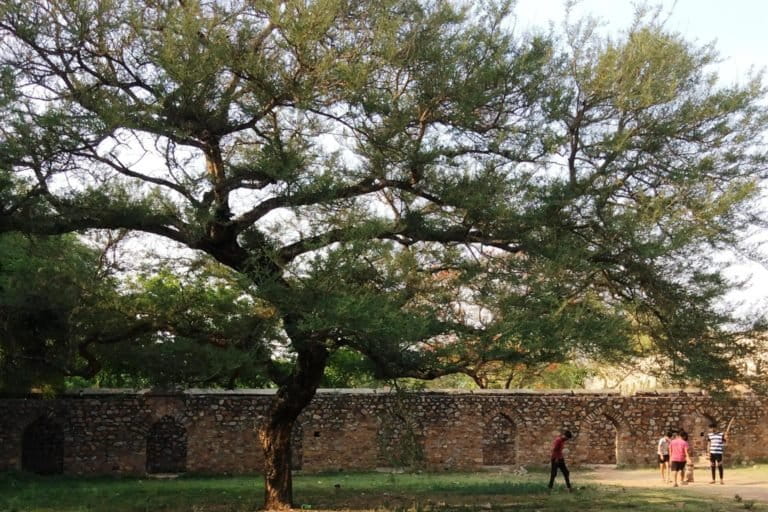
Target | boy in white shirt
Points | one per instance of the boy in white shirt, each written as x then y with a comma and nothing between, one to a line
662,450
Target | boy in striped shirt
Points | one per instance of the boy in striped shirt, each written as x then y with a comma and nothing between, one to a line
715,444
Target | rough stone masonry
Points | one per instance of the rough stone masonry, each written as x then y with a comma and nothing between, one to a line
215,432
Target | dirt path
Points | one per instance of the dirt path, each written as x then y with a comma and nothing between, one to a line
749,483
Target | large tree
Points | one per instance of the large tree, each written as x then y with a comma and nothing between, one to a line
406,179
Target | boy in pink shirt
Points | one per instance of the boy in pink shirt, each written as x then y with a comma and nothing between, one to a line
678,456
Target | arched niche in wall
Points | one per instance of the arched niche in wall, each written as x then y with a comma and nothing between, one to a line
167,447
695,423
499,441
42,447
602,438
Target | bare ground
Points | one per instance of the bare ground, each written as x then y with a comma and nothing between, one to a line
750,483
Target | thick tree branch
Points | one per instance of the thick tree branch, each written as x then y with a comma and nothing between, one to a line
403,234
76,219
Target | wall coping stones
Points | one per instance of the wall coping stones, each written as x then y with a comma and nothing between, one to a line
125,392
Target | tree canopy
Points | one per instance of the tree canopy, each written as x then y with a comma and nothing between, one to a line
409,180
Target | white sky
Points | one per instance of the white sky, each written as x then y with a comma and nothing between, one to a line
737,26
738,29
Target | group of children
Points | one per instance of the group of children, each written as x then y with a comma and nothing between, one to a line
675,460
673,452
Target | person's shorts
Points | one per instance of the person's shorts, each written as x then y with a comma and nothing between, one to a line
715,457
678,465
663,458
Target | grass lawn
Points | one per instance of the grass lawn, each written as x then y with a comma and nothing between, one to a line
344,491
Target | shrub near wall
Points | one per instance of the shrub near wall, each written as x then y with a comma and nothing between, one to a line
119,432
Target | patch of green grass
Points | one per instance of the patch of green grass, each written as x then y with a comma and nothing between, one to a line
406,492
24,492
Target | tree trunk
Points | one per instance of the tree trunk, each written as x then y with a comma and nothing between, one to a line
276,443
275,434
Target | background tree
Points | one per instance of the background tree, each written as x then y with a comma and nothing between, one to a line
407,180
66,318
204,330
53,293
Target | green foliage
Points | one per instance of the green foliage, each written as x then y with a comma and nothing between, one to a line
498,375
210,333
66,321
562,376
51,296
348,369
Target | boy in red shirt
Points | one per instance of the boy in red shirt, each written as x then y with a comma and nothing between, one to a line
678,456
558,460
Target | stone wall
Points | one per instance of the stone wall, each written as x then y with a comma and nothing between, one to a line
98,432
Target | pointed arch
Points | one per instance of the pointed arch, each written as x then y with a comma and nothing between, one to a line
696,423
603,437
167,446
42,447
499,441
